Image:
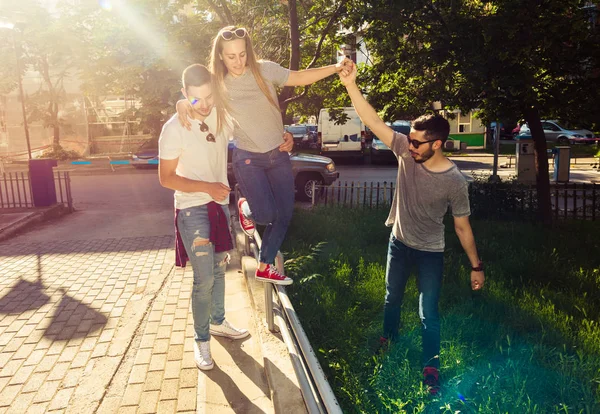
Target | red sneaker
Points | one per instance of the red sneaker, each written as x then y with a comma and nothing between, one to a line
384,344
246,223
431,379
272,275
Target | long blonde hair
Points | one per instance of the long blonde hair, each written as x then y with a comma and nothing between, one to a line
219,70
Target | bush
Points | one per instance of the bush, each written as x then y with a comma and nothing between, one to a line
59,153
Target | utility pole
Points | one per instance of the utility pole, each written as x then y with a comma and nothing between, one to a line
13,28
17,54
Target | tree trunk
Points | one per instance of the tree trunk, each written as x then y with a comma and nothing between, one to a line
287,91
542,177
56,142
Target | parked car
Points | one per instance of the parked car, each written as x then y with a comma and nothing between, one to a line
382,153
146,155
341,133
307,168
557,132
305,136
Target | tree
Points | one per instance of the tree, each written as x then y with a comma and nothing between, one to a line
509,58
139,49
48,45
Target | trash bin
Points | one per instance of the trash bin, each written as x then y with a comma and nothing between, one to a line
562,164
525,159
42,181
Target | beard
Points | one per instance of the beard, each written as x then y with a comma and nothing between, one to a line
425,156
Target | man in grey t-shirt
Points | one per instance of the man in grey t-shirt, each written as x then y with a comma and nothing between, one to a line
427,184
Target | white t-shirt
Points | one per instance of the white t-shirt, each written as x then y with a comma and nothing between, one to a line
199,159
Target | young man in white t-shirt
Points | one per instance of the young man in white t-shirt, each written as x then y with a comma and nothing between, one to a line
194,164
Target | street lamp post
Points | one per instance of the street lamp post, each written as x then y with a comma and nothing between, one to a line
20,81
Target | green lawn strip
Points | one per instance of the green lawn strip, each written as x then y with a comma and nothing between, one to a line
530,342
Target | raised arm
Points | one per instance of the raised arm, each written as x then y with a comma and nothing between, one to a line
365,111
310,76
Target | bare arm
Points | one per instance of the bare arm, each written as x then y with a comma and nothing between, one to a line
365,111
168,178
463,229
310,76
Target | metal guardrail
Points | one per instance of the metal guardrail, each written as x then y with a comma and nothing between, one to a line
316,391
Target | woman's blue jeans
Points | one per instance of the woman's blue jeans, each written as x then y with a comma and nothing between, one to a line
267,182
208,291
430,267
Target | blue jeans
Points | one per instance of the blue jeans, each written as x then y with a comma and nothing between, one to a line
430,267
267,182
208,292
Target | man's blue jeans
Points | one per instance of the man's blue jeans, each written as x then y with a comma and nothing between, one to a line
208,291
430,267
267,182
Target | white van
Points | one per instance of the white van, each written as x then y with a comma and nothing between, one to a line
343,140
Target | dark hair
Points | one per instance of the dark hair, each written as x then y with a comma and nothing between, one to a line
195,75
435,126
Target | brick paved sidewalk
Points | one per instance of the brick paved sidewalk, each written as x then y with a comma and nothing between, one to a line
68,312
105,326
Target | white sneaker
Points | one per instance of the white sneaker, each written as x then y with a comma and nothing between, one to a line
202,355
229,331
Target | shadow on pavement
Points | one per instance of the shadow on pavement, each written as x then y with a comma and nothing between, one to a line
238,401
123,244
245,363
71,319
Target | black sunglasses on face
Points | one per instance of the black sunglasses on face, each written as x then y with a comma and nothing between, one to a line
239,33
415,143
204,128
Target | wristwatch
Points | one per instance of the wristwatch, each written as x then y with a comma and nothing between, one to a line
479,268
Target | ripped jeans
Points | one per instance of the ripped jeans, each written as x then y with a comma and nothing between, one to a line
208,292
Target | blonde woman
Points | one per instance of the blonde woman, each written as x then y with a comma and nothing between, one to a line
261,163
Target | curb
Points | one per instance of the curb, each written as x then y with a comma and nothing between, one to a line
286,396
55,211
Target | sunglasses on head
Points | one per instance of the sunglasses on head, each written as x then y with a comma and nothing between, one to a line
229,34
415,143
204,128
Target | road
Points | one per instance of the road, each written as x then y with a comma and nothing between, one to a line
111,205
131,203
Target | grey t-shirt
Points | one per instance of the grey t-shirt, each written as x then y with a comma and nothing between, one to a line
259,127
422,199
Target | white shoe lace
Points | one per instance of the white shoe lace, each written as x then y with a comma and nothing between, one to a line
246,222
273,271
205,352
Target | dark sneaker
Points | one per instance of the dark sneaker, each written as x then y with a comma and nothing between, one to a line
431,379
246,223
272,275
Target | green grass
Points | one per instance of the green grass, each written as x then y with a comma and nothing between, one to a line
529,342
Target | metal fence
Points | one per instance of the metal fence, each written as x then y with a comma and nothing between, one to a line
16,191
579,201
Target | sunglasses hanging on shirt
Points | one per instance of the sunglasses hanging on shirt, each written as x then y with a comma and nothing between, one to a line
204,128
